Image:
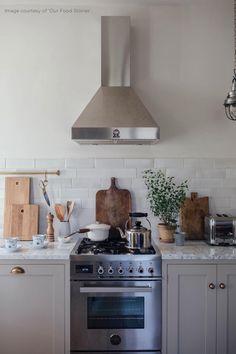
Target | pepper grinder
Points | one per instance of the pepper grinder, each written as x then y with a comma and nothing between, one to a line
50,228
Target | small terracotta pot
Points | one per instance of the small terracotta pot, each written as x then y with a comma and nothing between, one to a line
166,233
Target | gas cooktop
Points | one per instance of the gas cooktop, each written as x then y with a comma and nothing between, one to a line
109,247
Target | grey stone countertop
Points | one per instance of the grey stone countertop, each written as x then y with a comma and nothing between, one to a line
195,250
52,251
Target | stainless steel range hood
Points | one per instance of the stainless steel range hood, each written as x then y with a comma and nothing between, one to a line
115,114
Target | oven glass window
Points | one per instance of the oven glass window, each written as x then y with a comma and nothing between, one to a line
115,312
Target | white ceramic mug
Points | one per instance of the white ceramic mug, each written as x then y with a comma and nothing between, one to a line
38,241
11,244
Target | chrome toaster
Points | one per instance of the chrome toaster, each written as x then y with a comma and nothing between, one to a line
220,230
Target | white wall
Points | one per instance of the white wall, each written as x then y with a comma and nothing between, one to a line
182,69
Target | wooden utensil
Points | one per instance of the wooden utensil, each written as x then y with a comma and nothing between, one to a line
21,220
70,207
113,205
192,216
17,190
60,211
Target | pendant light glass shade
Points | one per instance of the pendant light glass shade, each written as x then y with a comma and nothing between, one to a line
230,102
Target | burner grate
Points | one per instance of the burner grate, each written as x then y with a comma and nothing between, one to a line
109,247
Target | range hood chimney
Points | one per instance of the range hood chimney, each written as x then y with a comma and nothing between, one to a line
115,114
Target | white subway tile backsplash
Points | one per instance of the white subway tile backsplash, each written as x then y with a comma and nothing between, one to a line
50,163
138,183
109,163
79,163
88,203
70,173
20,163
224,163
168,163
184,173
74,193
211,173
86,182
123,183
107,172
80,179
195,183
231,172
139,163
195,163
223,192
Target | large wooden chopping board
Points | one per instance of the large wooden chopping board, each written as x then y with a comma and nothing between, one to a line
21,220
113,205
192,216
17,190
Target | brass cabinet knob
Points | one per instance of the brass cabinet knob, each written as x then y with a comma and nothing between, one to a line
222,285
212,286
17,270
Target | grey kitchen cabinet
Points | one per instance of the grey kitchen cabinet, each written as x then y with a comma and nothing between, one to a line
32,309
199,308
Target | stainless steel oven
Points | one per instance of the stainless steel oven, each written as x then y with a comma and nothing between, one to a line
115,301
116,315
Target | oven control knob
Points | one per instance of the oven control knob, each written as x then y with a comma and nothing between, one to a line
130,270
110,270
140,270
150,270
100,270
120,270
115,339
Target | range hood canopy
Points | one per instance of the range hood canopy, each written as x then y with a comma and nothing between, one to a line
115,114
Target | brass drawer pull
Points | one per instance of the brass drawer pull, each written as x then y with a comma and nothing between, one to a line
17,270
212,286
222,286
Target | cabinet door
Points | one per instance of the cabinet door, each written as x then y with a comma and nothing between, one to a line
191,309
32,310
226,306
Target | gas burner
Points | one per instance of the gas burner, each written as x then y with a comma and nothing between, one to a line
109,247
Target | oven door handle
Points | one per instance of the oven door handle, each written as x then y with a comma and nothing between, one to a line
120,289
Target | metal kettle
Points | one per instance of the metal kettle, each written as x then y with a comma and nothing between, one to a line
138,237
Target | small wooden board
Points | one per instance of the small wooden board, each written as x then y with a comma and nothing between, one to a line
17,190
192,216
113,205
21,220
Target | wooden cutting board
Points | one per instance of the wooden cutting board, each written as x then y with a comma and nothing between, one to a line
113,205
192,216
21,220
17,190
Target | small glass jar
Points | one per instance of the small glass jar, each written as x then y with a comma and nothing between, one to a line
179,238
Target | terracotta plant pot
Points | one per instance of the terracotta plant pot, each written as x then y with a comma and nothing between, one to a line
166,233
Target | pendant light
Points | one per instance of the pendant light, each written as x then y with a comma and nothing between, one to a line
230,102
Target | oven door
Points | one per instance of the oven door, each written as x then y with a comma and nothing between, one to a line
116,315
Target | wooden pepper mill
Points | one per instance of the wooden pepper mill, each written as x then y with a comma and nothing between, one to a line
50,228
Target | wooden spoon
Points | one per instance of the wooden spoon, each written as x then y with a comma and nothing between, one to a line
60,211
69,206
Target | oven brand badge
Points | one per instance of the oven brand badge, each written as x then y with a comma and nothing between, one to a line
116,134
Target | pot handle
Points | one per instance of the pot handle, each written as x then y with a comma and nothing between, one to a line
80,231
138,215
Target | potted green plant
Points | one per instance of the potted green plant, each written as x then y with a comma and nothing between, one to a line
165,198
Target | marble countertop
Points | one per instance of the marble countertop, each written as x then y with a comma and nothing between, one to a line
195,250
53,251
